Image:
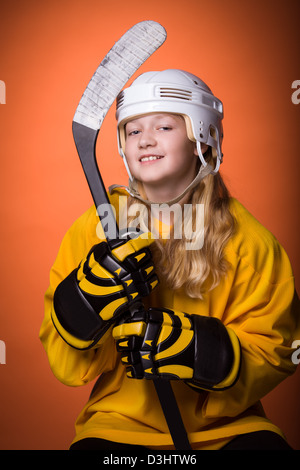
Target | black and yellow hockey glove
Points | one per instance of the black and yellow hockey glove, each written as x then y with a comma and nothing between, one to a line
177,346
101,289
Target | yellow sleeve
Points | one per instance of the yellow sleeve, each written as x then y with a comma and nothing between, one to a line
263,310
69,365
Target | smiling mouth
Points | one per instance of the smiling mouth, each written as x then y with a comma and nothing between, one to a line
150,158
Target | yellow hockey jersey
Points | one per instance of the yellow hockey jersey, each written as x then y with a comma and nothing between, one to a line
256,299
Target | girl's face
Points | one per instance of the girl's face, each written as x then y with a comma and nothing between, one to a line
159,152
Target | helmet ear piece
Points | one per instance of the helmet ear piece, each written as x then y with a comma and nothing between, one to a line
126,164
121,139
204,162
189,128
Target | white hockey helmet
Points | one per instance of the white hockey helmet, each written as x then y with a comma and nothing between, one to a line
177,92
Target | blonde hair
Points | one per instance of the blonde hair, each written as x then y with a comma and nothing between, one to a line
197,270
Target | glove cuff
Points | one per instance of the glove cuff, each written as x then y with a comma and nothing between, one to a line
217,354
74,318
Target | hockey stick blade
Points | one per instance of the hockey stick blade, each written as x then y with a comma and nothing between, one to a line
124,58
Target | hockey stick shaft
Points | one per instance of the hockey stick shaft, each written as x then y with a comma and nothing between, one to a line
85,140
125,57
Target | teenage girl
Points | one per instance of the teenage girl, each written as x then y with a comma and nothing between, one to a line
217,310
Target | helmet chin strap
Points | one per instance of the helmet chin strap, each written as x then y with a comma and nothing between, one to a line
203,171
132,189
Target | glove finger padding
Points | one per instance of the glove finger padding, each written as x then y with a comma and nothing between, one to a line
111,285
177,346
160,338
105,285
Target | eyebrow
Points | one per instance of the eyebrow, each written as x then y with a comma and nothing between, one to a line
161,116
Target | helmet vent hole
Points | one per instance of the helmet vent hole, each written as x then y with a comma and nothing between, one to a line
177,93
120,99
212,132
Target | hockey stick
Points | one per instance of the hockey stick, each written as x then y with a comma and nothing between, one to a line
125,57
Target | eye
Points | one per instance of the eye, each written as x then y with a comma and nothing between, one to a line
165,128
133,132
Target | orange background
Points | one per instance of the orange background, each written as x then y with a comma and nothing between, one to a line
248,52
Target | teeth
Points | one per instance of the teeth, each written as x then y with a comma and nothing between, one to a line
152,157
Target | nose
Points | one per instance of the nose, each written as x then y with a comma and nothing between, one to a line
147,139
